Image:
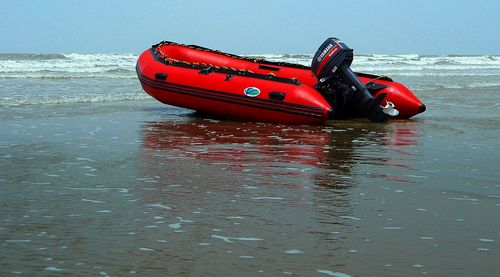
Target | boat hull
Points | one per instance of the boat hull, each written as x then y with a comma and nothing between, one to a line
214,94
222,84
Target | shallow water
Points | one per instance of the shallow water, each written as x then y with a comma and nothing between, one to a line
140,188
96,178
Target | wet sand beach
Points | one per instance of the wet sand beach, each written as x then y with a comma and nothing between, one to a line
131,187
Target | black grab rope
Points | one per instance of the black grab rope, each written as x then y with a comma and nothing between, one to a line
205,68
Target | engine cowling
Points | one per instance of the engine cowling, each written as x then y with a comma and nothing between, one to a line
332,67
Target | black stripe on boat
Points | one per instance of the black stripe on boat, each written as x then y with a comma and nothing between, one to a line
261,61
243,73
234,99
232,95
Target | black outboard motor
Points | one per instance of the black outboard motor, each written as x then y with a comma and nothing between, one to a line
339,84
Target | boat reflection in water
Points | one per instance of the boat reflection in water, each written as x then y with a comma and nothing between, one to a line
269,188
328,153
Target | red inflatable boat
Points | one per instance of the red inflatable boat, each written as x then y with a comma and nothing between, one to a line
218,83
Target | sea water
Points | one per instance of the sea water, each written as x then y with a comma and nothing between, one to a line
97,178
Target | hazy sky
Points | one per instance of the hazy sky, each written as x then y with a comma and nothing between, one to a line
251,27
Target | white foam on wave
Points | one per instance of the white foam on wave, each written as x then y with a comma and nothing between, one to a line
414,59
123,65
53,269
475,86
411,64
333,273
69,66
294,252
158,205
231,239
18,241
434,73
69,99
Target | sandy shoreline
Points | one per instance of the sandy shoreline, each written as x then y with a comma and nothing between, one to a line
156,190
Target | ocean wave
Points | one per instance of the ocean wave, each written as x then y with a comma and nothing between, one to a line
455,86
117,66
432,73
45,75
264,56
20,57
69,66
408,59
71,57
121,70
68,99
411,65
